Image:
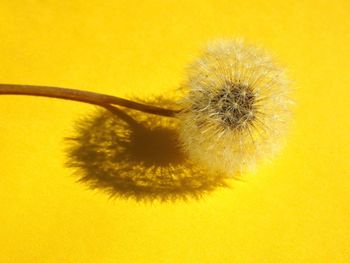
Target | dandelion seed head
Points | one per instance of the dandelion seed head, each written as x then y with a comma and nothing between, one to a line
236,108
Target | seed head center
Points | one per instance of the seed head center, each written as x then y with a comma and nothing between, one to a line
234,103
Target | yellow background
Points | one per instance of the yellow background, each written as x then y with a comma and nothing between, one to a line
295,209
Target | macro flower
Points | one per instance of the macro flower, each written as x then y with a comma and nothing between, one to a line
236,108
233,114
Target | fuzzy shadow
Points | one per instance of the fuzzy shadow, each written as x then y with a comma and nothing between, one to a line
129,154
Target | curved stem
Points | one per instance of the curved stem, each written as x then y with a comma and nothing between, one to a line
82,96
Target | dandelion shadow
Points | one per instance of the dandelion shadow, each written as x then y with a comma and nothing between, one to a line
129,154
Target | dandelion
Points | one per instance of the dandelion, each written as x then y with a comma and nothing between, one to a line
233,113
236,107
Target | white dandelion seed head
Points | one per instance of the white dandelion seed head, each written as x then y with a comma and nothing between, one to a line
236,108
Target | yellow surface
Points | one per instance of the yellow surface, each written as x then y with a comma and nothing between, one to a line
295,209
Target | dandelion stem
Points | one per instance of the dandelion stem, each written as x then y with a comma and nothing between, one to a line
82,96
